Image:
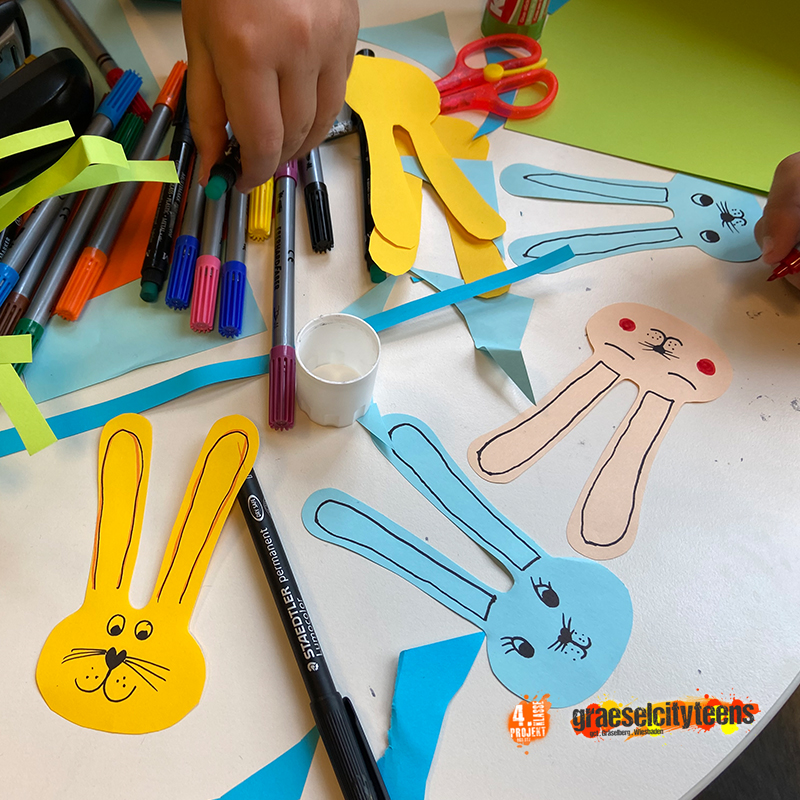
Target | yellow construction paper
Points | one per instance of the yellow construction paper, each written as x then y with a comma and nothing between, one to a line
36,137
24,414
116,668
91,161
387,94
476,258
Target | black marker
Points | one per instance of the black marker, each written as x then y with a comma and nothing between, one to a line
318,209
375,272
339,728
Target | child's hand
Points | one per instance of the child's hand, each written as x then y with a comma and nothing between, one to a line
277,70
778,230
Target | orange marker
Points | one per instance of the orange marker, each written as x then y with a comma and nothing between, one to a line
93,260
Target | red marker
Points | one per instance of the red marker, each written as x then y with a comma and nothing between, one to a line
788,266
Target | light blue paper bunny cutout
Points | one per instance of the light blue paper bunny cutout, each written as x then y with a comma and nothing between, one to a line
562,627
716,218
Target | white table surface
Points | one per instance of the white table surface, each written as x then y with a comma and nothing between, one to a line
713,574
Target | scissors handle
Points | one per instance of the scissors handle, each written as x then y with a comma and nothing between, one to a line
485,96
463,76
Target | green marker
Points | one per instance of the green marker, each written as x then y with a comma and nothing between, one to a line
225,172
514,16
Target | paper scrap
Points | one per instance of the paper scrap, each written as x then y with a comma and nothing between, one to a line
130,334
373,301
282,779
496,326
115,668
37,137
81,420
673,69
428,678
426,40
718,219
671,362
574,615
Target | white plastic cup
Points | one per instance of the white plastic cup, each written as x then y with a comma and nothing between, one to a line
337,360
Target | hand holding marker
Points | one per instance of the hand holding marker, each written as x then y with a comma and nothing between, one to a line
93,260
225,172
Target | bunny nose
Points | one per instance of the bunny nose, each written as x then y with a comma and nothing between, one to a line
113,658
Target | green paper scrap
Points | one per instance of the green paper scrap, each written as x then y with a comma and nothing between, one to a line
426,40
107,19
709,88
29,422
372,301
282,779
131,334
428,678
85,419
496,325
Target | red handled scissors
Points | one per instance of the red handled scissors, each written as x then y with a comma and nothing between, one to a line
467,87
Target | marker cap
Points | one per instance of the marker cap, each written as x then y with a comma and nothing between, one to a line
287,170
259,215
218,184
128,132
8,280
171,90
204,294
14,307
119,98
231,298
181,273
81,283
281,387
28,326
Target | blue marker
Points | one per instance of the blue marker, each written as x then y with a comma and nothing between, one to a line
234,271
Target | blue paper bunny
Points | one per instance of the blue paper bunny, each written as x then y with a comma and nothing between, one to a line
716,218
562,627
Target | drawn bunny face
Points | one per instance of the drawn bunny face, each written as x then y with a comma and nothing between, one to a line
664,353
717,219
116,668
560,629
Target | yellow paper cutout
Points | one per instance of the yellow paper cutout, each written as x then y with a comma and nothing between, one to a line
476,258
110,666
24,414
457,137
91,161
36,137
388,94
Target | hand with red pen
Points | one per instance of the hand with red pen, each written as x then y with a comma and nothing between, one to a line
275,69
778,230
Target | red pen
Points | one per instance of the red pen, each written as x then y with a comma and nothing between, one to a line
788,266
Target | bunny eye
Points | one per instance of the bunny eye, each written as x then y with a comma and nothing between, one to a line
546,593
701,199
518,644
143,629
712,237
116,625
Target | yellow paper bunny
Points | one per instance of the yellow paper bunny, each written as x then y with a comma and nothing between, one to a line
116,668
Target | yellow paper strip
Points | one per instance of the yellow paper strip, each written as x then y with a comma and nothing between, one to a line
15,349
37,137
32,427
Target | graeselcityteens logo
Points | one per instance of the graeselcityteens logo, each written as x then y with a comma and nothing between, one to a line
654,719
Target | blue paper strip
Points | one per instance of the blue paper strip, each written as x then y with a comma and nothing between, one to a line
81,420
416,308
428,678
282,779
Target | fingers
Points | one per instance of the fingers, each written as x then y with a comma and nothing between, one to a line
298,105
778,230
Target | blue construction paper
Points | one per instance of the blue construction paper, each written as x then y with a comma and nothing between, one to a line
496,325
373,301
716,218
492,122
426,40
282,779
424,305
107,20
116,334
555,5
85,419
479,173
428,678
562,627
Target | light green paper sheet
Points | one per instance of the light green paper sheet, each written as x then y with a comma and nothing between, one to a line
711,88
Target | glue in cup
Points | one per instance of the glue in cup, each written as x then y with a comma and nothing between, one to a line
337,359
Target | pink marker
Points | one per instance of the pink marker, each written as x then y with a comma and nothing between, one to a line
206,270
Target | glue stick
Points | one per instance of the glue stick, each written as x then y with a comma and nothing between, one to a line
514,16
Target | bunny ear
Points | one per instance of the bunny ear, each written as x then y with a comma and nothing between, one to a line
227,456
592,244
123,469
525,180
412,447
340,519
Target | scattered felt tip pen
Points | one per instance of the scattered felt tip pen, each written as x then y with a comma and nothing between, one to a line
206,270
225,172
318,209
790,265
233,276
259,214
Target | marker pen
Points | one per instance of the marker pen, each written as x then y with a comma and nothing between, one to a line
225,172
234,272
206,271
282,355
318,208
340,129
259,218
93,260
788,266
159,249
